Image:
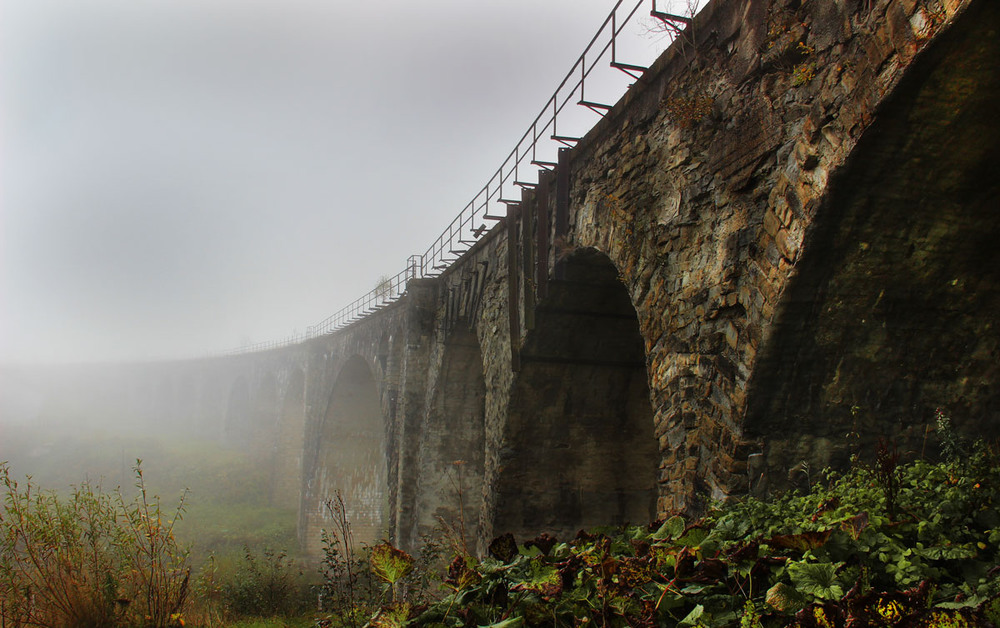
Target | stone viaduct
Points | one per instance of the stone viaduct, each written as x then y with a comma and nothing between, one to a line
780,245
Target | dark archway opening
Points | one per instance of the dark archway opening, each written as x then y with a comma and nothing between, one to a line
265,414
237,425
351,457
452,448
288,444
893,311
580,449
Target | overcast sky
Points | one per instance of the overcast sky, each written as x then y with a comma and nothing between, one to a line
179,177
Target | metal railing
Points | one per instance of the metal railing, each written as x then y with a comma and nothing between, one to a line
522,164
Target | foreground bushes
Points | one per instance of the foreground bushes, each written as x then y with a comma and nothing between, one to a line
883,545
267,584
90,559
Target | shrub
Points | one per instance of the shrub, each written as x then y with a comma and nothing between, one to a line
348,588
892,544
90,559
263,586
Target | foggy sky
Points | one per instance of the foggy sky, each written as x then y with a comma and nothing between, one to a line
179,177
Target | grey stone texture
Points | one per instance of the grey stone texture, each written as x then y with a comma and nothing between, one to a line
779,246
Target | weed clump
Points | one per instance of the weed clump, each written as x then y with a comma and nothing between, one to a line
93,558
263,585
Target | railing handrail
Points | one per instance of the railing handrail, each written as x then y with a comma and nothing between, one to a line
462,233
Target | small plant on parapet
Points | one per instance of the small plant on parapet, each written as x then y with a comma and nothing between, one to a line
383,288
803,73
680,31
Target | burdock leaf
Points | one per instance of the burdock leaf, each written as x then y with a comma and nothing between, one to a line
544,579
461,575
692,618
390,564
801,542
503,548
784,598
855,525
818,579
671,529
394,616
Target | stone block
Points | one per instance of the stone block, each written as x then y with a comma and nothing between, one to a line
732,335
786,244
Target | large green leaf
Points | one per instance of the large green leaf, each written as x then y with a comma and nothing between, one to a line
541,578
394,616
692,618
816,579
513,622
671,529
785,598
390,564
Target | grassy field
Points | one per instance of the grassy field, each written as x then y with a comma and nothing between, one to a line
227,503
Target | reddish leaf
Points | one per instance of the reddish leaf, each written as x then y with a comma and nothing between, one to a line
460,575
503,548
685,564
855,525
744,551
800,542
710,571
543,542
390,564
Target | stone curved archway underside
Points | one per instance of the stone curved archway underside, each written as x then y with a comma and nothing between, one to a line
351,458
893,309
451,458
287,449
236,426
580,449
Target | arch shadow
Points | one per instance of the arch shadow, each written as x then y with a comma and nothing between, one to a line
580,449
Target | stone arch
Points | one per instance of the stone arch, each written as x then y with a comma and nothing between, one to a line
265,413
212,412
236,427
892,310
288,443
451,461
185,420
164,404
580,448
351,456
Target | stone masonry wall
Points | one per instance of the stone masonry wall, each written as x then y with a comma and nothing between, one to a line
702,184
